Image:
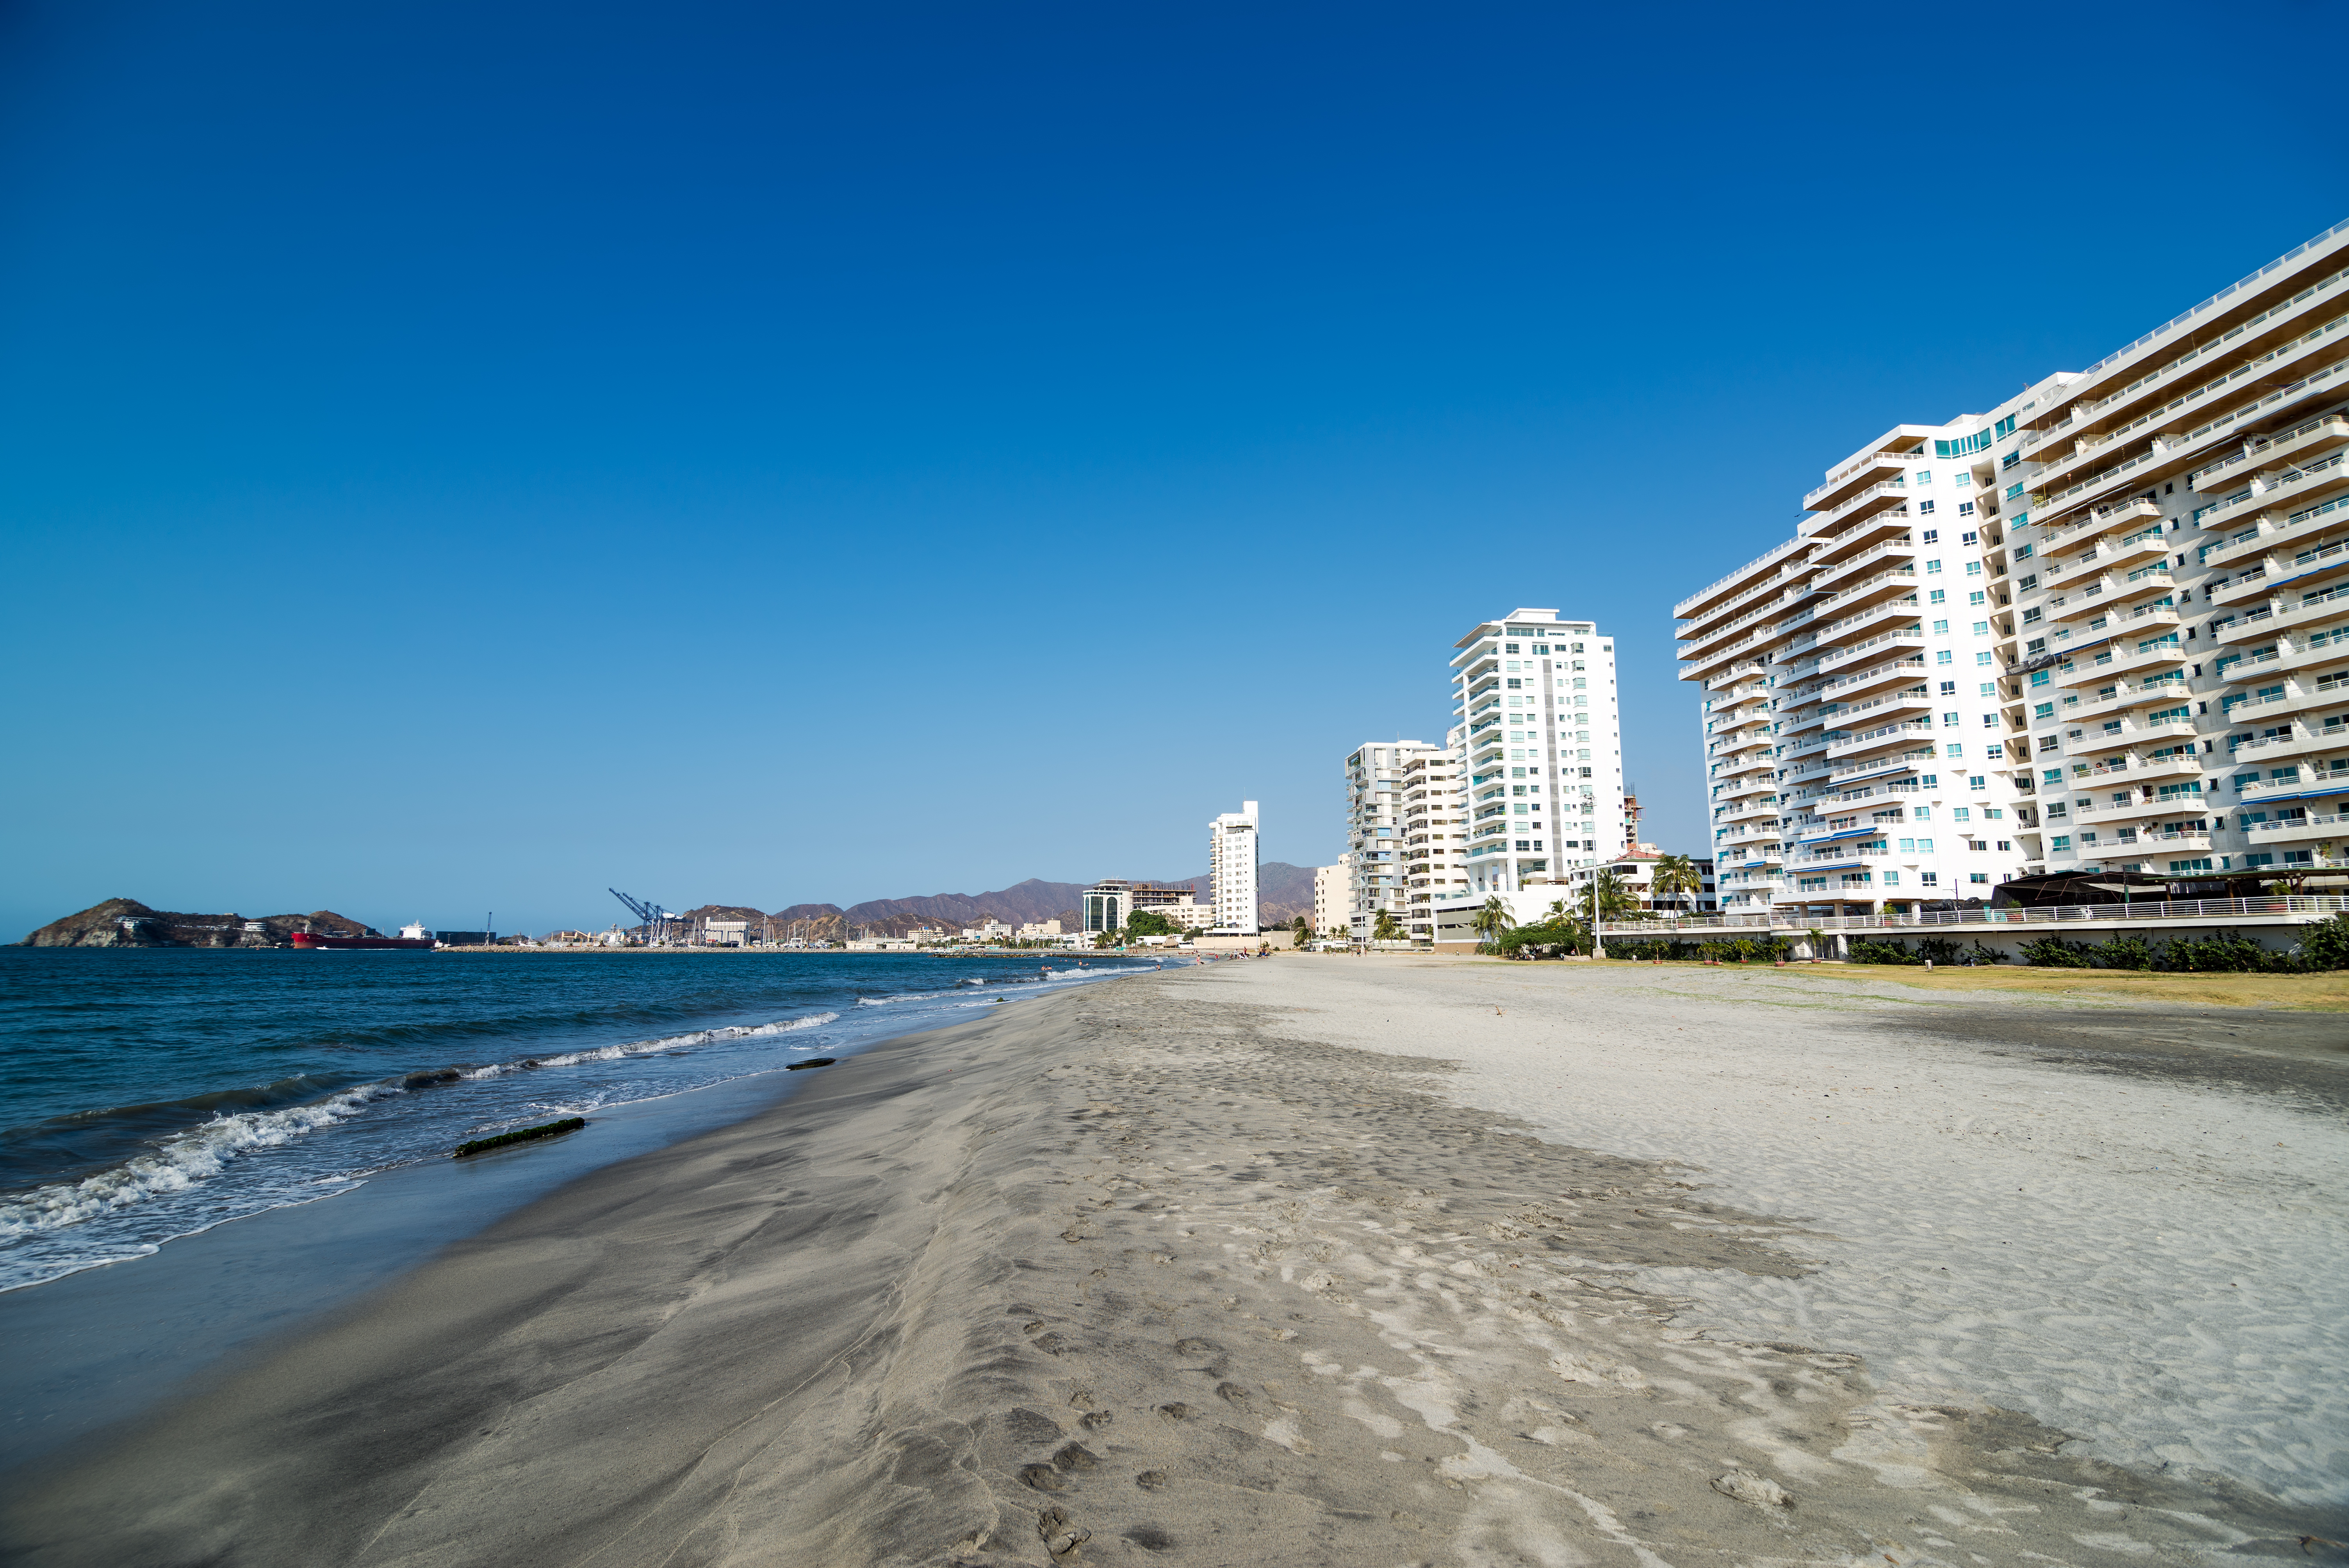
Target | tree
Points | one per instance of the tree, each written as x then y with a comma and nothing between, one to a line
1676,876
1387,930
1493,919
1149,923
1615,899
1303,929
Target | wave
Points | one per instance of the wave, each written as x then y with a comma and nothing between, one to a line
185,1159
182,1161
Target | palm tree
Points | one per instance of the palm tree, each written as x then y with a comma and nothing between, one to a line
1387,930
1676,876
1493,919
1304,932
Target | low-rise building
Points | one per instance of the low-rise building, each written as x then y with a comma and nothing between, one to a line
1040,930
1105,905
1329,894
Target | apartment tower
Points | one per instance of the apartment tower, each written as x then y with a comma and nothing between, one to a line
1377,773
1543,750
2102,627
1231,871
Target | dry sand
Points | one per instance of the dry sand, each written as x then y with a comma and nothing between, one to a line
1336,1261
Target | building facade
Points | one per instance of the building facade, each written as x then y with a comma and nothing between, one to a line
1376,774
1543,750
1434,832
1330,888
2101,627
1231,869
1105,905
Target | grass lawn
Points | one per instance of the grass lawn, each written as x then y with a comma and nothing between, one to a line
2327,993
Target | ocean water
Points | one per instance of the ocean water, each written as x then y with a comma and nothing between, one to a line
149,1094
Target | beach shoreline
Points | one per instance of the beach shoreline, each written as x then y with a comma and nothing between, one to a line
1248,1263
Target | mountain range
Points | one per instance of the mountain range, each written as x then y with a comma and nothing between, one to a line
1283,893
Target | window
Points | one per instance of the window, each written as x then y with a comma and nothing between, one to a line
1924,508
1939,597
1981,628
1977,597
1968,537
2200,864
1891,878
2039,677
1932,536
1924,814
1977,876
1948,688
1945,656
1907,846
1932,567
1925,476
2007,462
1509,649
2060,841
1990,721
1959,815
1948,720
1953,749
1965,509
1931,879
2003,429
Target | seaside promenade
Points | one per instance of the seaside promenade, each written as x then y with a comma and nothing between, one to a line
1360,1261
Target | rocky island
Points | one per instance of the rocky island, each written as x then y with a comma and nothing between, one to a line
126,922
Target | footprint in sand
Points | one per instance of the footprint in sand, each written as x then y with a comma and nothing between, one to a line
1151,1480
1178,1411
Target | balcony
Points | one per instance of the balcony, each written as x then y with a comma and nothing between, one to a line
1881,766
1859,506
1845,688
2134,844
1833,578
2298,829
1847,713
2288,489
2118,661
2274,751
1841,485
2251,586
2314,609
1883,584
1850,745
2300,442
1883,642
2141,806
2129,736
1860,620
2321,773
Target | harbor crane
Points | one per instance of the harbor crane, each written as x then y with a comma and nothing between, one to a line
655,917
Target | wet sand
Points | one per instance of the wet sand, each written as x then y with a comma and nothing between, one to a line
1324,1261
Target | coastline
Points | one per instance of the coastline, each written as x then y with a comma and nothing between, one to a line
1172,1264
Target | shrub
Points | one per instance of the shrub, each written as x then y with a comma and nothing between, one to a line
2055,952
2227,951
2124,950
1866,951
2325,945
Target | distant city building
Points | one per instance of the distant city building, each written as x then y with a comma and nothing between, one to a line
1105,905
1232,869
725,933
1039,930
1180,905
987,930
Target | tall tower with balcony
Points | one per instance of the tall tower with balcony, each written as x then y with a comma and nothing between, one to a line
1534,695
1232,869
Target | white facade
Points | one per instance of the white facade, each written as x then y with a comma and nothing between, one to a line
1535,698
1377,775
1330,888
1982,655
1231,869
1038,930
1434,831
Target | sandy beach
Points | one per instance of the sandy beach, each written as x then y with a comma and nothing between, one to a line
1357,1261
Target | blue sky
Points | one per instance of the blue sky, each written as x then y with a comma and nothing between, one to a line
461,457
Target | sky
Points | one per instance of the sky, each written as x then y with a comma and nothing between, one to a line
461,458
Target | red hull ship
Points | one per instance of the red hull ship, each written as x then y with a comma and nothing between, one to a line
319,939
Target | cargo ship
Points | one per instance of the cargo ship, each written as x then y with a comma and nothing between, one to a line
412,936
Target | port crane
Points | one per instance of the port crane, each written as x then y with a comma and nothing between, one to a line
655,917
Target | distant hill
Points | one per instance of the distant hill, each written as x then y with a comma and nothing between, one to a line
126,922
1283,893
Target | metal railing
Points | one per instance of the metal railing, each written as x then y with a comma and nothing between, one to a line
2309,906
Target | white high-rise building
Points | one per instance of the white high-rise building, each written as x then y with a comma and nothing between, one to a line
1434,831
1378,776
2102,627
1231,871
1535,698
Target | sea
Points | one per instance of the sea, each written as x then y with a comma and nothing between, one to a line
149,1095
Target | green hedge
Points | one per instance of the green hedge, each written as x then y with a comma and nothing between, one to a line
2322,946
